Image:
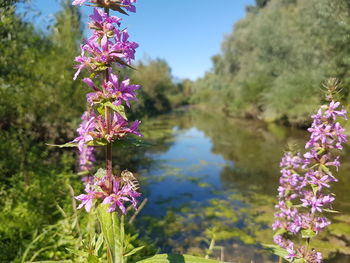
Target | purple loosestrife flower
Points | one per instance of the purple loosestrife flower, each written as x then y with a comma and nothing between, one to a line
304,183
102,24
86,126
98,58
113,91
116,197
119,128
121,194
86,158
87,199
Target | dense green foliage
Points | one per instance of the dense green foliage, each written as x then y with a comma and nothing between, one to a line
272,64
38,103
158,93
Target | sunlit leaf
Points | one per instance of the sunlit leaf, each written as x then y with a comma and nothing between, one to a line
307,233
97,142
66,145
117,108
92,259
132,252
330,211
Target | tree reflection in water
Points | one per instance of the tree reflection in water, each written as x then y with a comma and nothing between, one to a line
208,176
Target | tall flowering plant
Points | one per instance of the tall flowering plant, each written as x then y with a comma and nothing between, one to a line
304,194
105,123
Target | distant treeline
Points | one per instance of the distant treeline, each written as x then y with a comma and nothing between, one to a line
273,63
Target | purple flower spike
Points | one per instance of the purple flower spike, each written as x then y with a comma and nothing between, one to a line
302,198
107,46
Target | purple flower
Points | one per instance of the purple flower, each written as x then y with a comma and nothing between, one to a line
86,158
87,126
332,111
98,58
103,26
86,199
129,5
113,91
120,195
78,2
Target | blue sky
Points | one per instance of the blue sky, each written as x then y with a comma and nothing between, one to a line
185,33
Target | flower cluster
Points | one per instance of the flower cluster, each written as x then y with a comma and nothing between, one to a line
86,157
105,121
112,91
115,5
304,193
116,195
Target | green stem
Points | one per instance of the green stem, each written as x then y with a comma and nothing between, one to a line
117,249
109,163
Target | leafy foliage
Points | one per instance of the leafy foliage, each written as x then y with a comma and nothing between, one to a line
273,62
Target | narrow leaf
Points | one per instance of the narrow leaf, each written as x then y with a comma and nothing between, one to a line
132,252
66,145
97,142
331,211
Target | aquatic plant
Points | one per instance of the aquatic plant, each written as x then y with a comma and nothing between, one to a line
304,194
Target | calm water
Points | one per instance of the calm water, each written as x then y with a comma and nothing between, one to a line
209,177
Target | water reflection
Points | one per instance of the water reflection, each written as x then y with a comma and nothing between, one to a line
209,176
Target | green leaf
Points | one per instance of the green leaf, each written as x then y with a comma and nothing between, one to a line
111,230
101,110
119,108
100,173
105,219
66,145
116,7
280,231
176,258
324,168
331,211
97,142
52,261
307,233
274,249
93,259
99,243
132,252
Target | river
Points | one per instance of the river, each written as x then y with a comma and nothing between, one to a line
210,178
